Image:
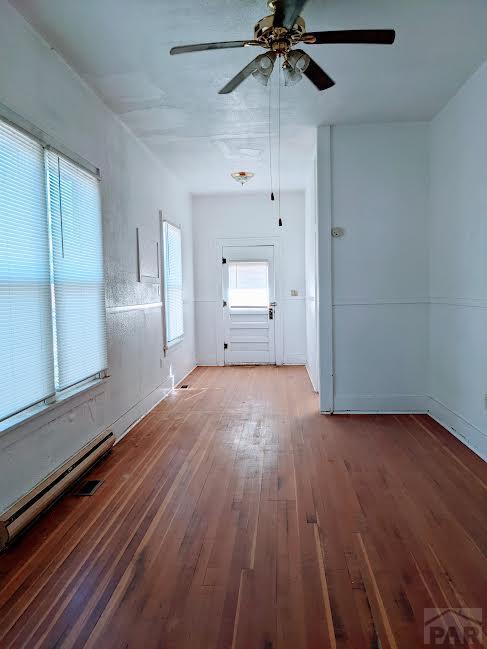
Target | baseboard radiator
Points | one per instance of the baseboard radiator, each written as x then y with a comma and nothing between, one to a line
30,506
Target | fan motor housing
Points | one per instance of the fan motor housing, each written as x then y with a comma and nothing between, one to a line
278,39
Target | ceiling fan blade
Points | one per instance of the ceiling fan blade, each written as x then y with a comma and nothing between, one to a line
287,11
318,76
238,78
201,47
353,36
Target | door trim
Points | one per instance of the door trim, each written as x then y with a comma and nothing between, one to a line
279,321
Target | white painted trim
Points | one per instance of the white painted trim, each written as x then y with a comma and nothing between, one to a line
316,296
461,428
279,324
460,301
185,376
207,362
447,301
138,411
380,403
325,267
134,307
43,413
143,407
295,359
46,140
379,301
315,389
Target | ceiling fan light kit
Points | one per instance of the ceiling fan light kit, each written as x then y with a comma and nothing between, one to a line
264,65
279,33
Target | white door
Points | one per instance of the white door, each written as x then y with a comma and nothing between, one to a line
248,305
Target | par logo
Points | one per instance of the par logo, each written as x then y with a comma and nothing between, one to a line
453,627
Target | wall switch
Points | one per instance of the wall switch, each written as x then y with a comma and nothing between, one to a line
485,400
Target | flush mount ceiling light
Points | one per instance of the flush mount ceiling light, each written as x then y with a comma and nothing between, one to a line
242,176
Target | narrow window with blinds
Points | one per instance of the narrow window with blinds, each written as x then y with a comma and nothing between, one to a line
173,283
78,276
52,289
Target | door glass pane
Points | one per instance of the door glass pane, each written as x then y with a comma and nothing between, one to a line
248,284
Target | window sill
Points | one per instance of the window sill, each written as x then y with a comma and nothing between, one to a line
44,408
174,343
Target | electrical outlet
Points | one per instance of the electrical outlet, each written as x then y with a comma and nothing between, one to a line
485,400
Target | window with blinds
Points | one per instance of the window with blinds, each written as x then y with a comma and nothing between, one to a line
173,283
26,344
78,279
52,302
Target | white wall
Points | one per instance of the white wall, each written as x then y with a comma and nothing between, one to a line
311,277
249,215
40,87
458,264
379,194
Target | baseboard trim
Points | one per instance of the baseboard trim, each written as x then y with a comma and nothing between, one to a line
185,376
137,412
294,359
458,426
311,378
380,404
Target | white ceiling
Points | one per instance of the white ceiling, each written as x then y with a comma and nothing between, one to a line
121,48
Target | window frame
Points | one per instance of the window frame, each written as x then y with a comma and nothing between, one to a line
60,396
248,262
166,343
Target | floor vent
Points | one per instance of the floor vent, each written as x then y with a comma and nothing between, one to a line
88,488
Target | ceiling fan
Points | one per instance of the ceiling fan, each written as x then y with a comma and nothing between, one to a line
279,33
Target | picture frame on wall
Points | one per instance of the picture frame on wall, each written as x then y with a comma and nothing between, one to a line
148,257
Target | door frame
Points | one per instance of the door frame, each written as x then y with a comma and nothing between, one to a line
279,311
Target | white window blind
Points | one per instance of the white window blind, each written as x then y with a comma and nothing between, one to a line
173,282
78,276
248,284
26,344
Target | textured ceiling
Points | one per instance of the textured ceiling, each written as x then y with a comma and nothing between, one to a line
121,48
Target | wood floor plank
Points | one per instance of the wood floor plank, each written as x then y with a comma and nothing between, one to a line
235,516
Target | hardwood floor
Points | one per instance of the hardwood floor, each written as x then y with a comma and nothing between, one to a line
234,516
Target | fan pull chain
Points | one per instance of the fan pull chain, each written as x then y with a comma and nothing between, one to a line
270,138
279,144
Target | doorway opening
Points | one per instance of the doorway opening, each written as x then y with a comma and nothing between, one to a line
249,305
